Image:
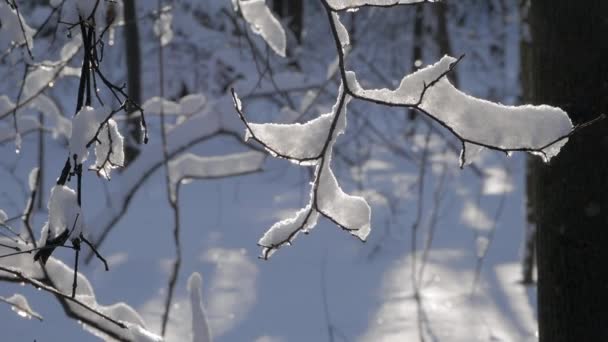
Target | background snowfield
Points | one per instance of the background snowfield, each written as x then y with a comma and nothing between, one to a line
327,286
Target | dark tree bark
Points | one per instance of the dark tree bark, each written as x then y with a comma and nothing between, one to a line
294,11
532,163
133,59
570,71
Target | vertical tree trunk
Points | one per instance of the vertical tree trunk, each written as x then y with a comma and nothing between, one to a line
133,59
571,71
526,79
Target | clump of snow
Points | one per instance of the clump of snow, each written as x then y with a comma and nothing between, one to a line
342,32
263,22
21,306
313,141
339,5
286,230
32,178
106,158
187,105
475,121
64,211
11,32
190,166
350,212
200,325
3,216
84,126
162,26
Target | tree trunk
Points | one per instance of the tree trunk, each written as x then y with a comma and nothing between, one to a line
571,71
525,79
133,59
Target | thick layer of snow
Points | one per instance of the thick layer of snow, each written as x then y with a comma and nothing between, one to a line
11,32
190,166
84,126
347,4
350,212
263,22
474,120
21,306
64,211
107,159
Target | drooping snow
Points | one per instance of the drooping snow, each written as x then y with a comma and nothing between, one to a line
313,140
287,230
339,5
200,325
84,126
21,306
11,32
3,216
61,277
162,26
107,159
32,178
474,120
342,32
350,212
264,23
187,105
64,211
190,166
301,141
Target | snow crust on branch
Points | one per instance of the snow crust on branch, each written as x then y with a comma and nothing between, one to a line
542,129
123,321
187,105
64,212
264,23
109,150
311,144
11,33
95,124
191,166
338,5
21,306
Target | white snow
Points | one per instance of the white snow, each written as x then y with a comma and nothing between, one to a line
263,22
106,160
31,179
84,126
286,230
351,212
10,31
343,35
163,26
297,141
474,120
187,105
200,325
64,212
3,216
339,5
190,166
21,306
